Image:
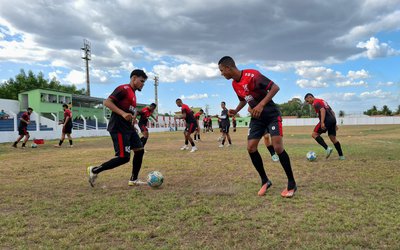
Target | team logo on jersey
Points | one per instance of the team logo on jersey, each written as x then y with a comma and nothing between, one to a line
132,109
273,128
127,149
246,88
249,98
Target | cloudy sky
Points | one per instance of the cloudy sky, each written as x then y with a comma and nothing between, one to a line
347,52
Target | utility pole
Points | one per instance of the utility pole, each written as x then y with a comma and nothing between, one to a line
87,57
207,106
156,92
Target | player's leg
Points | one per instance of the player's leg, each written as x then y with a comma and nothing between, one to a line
122,155
191,130
70,140
145,136
336,143
26,138
228,137
268,144
61,139
317,136
18,139
138,152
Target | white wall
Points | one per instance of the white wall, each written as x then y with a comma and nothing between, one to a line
9,105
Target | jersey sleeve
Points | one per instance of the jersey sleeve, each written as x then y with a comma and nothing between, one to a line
263,82
318,106
118,94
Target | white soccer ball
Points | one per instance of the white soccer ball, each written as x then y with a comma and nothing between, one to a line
155,179
34,145
311,156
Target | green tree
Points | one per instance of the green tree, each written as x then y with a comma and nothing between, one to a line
294,107
398,110
341,113
386,111
372,111
25,82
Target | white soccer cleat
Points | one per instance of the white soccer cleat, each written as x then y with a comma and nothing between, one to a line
229,145
136,182
92,176
328,152
275,158
184,147
221,145
194,149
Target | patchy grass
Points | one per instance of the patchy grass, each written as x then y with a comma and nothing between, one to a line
209,198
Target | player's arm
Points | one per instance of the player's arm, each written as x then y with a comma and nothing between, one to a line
66,120
239,107
109,103
26,121
256,112
323,114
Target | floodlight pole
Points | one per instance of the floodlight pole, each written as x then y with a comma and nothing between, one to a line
87,57
156,92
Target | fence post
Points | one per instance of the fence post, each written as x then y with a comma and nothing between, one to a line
55,121
97,126
37,121
84,122
14,120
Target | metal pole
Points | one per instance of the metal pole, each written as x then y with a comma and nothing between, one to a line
87,57
156,92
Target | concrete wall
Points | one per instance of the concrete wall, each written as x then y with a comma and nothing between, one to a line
9,105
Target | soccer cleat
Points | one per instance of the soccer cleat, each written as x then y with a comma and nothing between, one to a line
194,149
136,182
221,146
23,147
288,193
229,145
14,145
71,146
264,188
342,158
57,146
275,158
328,152
92,176
184,147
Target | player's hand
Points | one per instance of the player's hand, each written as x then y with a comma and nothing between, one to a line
127,116
337,128
256,111
323,126
232,112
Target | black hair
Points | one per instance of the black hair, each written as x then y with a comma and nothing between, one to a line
139,73
153,104
224,103
227,61
65,105
201,110
179,99
31,109
307,95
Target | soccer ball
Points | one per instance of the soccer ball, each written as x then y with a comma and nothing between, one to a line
33,145
155,179
311,156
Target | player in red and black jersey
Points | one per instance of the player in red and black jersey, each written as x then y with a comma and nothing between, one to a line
197,118
122,103
257,90
145,113
24,120
67,126
191,125
327,122
224,125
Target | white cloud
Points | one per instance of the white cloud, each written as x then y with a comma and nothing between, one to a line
351,83
318,73
215,95
304,83
360,74
186,72
75,77
376,94
386,84
374,49
55,74
194,97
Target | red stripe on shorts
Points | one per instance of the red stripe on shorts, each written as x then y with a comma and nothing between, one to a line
121,145
280,126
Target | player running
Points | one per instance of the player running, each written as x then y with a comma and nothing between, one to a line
191,125
197,118
67,126
225,124
24,120
122,103
257,90
145,113
327,122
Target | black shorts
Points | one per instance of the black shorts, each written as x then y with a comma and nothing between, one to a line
143,127
191,127
258,128
125,142
67,129
23,131
330,127
225,128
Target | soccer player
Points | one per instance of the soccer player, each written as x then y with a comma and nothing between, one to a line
327,122
205,124
145,113
67,126
122,103
23,127
268,144
225,124
234,123
257,90
197,117
191,125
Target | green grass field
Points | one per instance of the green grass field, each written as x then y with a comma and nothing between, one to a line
209,198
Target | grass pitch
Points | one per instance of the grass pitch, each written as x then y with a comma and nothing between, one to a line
209,198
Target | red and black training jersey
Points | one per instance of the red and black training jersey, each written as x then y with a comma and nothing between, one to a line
189,113
145,113
318,104
252,88
197,115
224,117
27,117
124,98
68,113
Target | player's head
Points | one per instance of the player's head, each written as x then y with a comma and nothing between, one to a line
153,106
201,111
138,77
309,98
30,110
227,66
223,105
178,102
65,106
